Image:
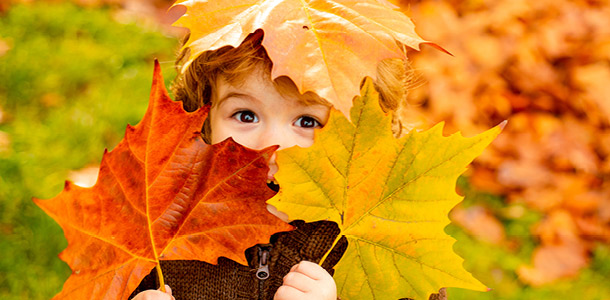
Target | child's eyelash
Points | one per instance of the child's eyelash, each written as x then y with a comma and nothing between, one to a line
318,123
245,116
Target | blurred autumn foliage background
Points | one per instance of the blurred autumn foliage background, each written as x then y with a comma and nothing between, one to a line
545,67
535,222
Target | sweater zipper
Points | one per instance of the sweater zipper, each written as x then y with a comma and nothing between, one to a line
262,273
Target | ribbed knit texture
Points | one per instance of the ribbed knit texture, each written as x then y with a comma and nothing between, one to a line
195,280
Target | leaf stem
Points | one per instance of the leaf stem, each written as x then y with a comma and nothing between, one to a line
339,236
160,275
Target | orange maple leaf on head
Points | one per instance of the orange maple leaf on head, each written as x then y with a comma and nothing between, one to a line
324,46
162,193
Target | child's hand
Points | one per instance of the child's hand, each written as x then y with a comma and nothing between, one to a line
155,295
307,280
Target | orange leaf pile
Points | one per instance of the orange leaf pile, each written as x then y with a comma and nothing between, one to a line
162,193
324,46
543,65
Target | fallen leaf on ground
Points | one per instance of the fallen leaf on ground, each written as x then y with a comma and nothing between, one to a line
5,141
543,66
4,47
554,262
480,223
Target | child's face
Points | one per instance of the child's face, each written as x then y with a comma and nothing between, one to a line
257,116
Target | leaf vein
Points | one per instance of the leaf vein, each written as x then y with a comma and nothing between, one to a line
361,260
209,191
422,174
367,32
98,276
400,273
318,184
112,172
406,257
314,30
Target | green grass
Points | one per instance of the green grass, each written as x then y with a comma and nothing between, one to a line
69,84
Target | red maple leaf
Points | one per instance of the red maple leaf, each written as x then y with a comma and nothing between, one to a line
162,193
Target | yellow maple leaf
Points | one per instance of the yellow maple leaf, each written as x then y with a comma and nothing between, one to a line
324,46
390,197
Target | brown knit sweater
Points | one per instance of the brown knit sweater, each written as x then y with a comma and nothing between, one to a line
267,265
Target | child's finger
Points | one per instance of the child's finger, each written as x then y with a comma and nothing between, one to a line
299,281
294,268
168,290
288,293
153,295
310,269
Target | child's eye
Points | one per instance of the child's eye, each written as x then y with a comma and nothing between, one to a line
245,116
307,122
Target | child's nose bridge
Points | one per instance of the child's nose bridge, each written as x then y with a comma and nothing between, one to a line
278,135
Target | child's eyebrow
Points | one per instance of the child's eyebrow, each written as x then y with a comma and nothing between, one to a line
236,95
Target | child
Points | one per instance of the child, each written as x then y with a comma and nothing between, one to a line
257,113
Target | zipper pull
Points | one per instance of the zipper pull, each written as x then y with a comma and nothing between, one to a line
262,272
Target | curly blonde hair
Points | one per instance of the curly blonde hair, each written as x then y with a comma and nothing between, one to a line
195,85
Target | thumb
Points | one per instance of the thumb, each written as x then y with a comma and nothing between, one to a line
168,290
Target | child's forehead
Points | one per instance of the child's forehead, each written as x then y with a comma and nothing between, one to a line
258,81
